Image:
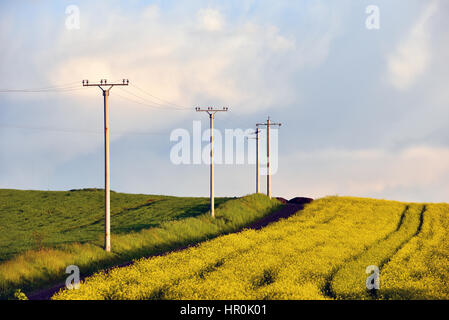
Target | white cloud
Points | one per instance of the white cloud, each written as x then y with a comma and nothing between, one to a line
368,172
413,55
210,20
151,12
247,66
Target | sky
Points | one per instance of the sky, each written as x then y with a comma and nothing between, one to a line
364,111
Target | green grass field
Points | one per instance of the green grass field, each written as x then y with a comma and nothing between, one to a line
43,232
35,219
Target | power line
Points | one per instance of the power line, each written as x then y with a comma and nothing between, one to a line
68,130
61,88
138,102
40,91
48,129
162,100
153,104
69,84
145,101
146,104
74,86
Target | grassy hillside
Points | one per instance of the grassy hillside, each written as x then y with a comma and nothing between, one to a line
321,253
142,225
37,219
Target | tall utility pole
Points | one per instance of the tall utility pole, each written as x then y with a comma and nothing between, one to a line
211,111
257,160
107,189
268,124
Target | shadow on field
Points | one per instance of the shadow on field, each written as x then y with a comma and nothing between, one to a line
125,210
191,211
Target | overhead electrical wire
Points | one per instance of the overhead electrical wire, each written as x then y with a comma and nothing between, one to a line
77,130
153,104
61,88
75,86
138,102
131,96
162,100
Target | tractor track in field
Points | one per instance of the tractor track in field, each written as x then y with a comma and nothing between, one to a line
374,293
418,230
287,210
328,290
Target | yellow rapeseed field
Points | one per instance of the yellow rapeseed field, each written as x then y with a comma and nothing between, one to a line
349,282
420,269
319,253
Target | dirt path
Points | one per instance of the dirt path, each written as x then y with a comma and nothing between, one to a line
286,211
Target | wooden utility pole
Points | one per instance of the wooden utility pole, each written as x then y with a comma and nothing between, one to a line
211,111
268,124
257,160
107,189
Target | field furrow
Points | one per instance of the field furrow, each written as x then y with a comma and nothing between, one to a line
420,269
349,282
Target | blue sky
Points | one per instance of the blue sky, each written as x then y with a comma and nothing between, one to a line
364,112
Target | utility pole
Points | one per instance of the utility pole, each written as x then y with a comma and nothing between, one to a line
257,160
107,189
268,124
211,111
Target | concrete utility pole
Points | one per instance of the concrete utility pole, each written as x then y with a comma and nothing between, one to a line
269,124
257,160
211,111
107,189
